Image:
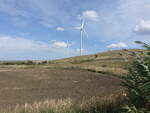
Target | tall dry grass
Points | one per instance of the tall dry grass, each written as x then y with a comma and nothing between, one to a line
111,104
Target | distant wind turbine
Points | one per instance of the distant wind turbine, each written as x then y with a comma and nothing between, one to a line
68,45
82,31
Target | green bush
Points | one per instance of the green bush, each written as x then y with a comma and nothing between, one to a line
138,83
133,109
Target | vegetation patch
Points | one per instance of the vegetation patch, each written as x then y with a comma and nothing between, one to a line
137,83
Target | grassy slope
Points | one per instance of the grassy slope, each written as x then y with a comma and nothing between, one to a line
111,62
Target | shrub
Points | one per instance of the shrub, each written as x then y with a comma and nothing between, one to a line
133,109
29,62
138,83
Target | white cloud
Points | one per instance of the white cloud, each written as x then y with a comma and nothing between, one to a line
118,45
148,6
18,48
143,27
60,29
121,20
90,15
23,43
83,50
59,44
8,42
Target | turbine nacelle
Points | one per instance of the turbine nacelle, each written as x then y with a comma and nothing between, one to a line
81,28
82,31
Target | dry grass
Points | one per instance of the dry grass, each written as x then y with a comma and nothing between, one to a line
113,71
37,107
109,105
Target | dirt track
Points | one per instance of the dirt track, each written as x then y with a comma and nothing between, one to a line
28,85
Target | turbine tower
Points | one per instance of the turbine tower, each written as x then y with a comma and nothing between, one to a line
82,32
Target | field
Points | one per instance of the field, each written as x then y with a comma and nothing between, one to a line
73,78
22,86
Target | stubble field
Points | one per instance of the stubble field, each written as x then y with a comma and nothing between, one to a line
20,86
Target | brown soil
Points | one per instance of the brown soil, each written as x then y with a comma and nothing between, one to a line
20,86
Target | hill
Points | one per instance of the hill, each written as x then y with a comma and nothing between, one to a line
111,62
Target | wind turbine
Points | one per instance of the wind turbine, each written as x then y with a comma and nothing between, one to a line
82,31
68,45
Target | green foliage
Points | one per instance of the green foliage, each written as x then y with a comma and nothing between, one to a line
138,83
133,109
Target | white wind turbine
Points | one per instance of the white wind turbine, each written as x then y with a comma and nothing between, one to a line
82,31
68,45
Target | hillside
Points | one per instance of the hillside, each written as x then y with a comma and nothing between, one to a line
112,62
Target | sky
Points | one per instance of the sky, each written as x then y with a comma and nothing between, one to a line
46,29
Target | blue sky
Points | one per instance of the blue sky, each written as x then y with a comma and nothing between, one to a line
40,29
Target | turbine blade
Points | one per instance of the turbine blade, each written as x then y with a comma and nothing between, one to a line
83,23
86,33
67,44
78,28
75,27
